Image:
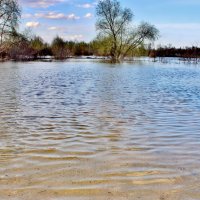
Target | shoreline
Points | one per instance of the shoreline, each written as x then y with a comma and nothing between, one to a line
163,60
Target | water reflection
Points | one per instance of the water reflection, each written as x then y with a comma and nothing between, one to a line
87,130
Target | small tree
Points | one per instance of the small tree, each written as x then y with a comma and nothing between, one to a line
101,46
82,48
114,22
37,44
19,47
59,48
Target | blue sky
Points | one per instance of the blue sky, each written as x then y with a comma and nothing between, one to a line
177,20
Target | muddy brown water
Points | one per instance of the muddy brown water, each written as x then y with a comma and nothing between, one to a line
83,130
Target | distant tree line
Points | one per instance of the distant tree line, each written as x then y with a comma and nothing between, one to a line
116,38
169,51
26,46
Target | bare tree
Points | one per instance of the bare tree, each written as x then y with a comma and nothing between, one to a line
114,22
9,17
19,46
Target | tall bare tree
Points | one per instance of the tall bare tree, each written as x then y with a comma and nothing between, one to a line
114,23
9,17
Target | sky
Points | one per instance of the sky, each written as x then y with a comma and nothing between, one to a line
177,20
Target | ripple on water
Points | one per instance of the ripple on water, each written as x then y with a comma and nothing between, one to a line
86,130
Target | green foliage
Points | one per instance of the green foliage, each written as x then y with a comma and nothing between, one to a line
37,43
101,46
59,48
82,48
114,22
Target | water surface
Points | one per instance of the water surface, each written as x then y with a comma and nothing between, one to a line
84,130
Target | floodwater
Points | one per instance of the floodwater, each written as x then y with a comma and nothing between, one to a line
83,130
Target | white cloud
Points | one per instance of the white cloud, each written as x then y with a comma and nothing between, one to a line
41,3
86,5
50,15
54,15
72,16
55,28
32,24
88,15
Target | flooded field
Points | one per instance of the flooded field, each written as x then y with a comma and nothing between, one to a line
83,130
